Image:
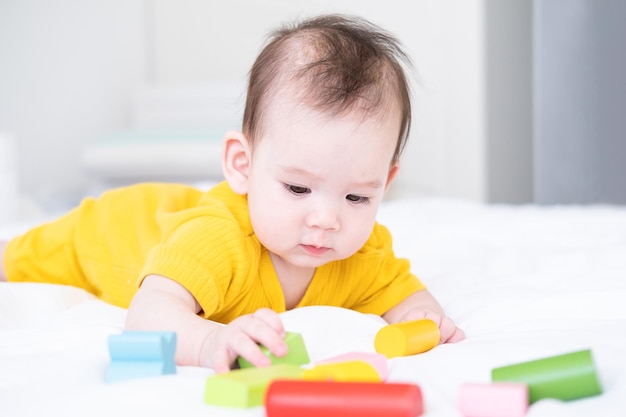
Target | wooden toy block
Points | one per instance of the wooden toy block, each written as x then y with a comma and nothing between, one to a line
493,400
137,354
377,360
563,377
296,353
342,399
407,338
243,388
355,371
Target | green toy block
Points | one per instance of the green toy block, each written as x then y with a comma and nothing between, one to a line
296,353
565,377
243,388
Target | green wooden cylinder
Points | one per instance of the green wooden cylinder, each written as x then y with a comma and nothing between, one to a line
564,377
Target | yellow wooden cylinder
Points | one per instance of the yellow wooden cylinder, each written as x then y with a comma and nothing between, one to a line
407,338
349,371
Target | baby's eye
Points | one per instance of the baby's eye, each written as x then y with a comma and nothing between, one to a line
296,189
357,198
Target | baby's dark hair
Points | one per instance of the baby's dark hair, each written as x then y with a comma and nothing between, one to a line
339,64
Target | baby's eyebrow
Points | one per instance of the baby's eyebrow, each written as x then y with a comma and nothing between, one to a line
296,170
299,171
370,184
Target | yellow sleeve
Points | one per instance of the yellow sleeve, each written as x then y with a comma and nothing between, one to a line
206,251
116,231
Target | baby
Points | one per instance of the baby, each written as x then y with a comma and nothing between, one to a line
294,223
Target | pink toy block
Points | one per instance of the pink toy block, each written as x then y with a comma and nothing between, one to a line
377,360
493,400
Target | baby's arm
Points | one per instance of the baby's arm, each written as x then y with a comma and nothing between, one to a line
422,304
162,304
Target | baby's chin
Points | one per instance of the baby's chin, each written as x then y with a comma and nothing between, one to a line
304,260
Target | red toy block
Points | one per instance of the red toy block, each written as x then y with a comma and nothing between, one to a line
342,399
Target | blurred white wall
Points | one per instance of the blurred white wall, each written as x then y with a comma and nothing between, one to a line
194,38
66,69
70,68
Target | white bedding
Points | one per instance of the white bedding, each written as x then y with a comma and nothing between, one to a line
523,282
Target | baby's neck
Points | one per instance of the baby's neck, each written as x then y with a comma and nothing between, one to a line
293,280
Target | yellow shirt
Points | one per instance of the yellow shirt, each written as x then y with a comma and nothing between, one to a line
205,242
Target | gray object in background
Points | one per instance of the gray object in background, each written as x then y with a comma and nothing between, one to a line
579,101
8,179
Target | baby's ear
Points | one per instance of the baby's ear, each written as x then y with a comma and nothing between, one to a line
236,161
393,171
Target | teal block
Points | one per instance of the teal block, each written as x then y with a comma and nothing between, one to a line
138,354
244,388
296,353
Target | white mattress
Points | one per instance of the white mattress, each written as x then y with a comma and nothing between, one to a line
523,282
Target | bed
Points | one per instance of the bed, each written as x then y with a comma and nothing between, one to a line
524,282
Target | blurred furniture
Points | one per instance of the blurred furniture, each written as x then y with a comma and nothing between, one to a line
176,135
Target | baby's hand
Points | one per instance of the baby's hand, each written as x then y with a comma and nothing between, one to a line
448,330
241,338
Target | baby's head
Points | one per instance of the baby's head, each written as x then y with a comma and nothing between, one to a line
326,118
335,65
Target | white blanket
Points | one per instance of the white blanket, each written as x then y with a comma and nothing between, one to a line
523,282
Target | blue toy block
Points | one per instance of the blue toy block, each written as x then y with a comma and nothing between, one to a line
137,354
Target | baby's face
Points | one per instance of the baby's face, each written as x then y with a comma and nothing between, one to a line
316,182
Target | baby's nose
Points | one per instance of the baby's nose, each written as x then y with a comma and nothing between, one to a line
324,216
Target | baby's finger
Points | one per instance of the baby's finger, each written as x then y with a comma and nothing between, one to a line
446,329
437,318
449,332
243,345
266,335
220,360
272,319
457,336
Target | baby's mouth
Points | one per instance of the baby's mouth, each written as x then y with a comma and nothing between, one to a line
315,250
